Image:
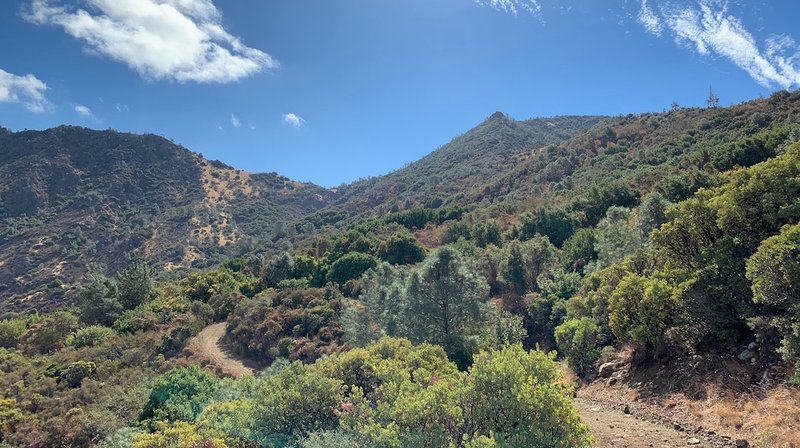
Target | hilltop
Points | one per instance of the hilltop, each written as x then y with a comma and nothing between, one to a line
72,197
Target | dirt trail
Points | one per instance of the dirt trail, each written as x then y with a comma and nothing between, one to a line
610,426
208,344
613,427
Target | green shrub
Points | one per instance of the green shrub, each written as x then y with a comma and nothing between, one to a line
12,328
50,334
350,266
577,340
89,336
139,319
180,395
641,310
75,372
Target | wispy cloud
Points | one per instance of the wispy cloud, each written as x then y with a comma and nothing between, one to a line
235,122
181,40
707,27
121,107
27,90
513,6
649,19
293,120
85,112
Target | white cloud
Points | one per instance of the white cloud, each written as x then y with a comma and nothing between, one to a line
84,111
235,121
293,120
122,107
27,90
707,28
649,19
181,40
513,6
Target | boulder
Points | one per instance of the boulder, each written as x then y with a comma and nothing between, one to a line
607,369
746,355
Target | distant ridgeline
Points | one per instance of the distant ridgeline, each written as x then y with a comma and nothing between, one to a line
71,197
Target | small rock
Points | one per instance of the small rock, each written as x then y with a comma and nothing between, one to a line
612,381
746,355
693,441
626,409
607,369
677,426
741,443
752,346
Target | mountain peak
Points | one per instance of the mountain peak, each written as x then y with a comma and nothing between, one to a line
498,116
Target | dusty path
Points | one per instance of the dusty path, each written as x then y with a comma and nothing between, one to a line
609,425
208,345
614,428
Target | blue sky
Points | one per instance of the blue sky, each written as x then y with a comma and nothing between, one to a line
332,90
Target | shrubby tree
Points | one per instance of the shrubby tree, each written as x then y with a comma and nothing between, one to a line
555,223
599,197
12,327
513,395
402,248
98,301
379,310
652,213
135,285
524,262
774,273
500,328
577,341
293,403
641,310
179,395
485,233
89,336
443,300
49,334
279,268
615,239
578,250
350,266
177,435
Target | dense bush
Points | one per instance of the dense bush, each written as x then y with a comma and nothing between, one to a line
179,395
577,341
293,323
89,336
774,273
350,266
641,310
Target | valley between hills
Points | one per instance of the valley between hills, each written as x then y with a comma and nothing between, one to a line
554,282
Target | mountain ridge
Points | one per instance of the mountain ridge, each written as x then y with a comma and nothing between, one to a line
71,197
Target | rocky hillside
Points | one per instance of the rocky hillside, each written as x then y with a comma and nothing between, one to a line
71,197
